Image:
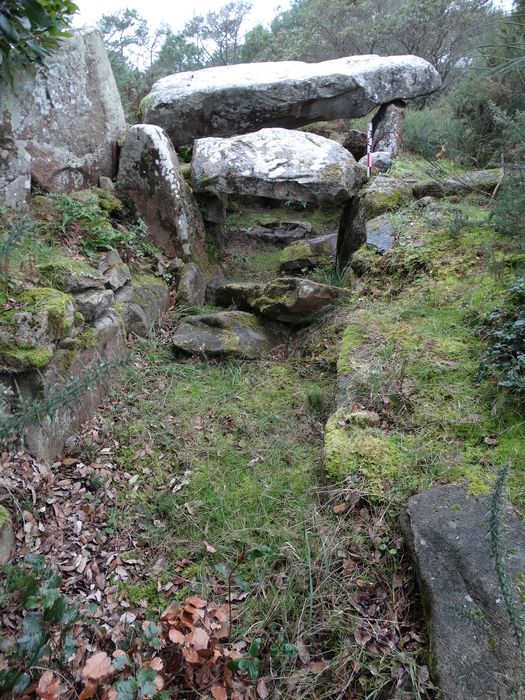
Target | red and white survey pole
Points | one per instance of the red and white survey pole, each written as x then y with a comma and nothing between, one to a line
369,150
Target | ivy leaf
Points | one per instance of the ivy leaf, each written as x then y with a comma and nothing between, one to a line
34,637
69,647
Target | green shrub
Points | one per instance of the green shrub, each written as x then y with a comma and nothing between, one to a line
30,30
504,361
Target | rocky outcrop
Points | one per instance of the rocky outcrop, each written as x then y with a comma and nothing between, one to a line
276,163
286,299
309,253
473,647
242,98
149,174
226,333
388,125
278,232
191,290
382,194
69,121
15,175
142,303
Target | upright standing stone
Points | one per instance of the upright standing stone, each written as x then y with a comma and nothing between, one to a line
388,124
71,120
149,174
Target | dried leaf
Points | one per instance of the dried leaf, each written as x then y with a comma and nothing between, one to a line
98,666
89,691
262,690
49,687
176,636
317,666
362,637
209,547
219,692
340,508
198,639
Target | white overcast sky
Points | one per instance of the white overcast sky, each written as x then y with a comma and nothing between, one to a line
175,13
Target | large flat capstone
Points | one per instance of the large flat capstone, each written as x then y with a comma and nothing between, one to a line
243,98
70,121
277,163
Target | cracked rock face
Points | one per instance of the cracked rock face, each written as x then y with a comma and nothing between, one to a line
150,175
69,121
277,163
242,98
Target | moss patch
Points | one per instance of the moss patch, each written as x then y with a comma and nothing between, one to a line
25,358
59,307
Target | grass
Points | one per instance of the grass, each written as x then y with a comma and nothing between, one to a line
412,353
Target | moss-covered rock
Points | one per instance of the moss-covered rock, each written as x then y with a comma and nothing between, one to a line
22,359
105,199
70,275
285,299
308,254
385,194
30,329
354,450
226,333
142,302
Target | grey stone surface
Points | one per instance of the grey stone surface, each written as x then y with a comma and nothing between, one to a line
352,230
7,535
46,440
380,233
381,161
71,120
388,128
473,647
292,300
279,232
143,301
191,290
278,163
384,193
225,333
149,174
355,142
15,175
116,276
93,303
309,253
242,98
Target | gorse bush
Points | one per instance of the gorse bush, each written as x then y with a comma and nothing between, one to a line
504,361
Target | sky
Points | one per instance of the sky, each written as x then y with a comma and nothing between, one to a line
157,11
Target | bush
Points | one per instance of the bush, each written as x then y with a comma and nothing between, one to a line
428,129
504,361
